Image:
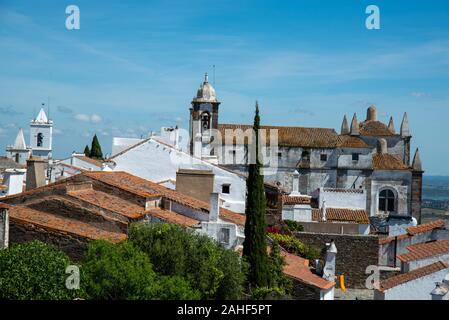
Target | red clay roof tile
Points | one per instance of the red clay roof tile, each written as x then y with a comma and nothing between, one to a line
24,215
425,250
412,275
342,215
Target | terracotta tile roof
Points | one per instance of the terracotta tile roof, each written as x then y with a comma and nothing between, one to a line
386,240
426,227
231,216
425,250
347,141
144,187
4,205
412,275
173,217
109,202
385,161
50,222
290,200
298,269
292,136
95,162
411,231
374,128
342,215
125,181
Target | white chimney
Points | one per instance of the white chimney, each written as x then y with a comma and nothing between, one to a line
323,212
14,180
329,265
214,206
4,227
295,191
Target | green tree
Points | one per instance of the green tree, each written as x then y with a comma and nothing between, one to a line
255,246
34,271
117,271
95,150
213,271
87,151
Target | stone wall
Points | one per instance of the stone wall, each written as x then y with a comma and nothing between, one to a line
301,291
355,254
72,245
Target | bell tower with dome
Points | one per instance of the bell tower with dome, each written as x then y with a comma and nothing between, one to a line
203,119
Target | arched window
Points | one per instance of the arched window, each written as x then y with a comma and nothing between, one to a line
40,139
386,200
205,121
17,157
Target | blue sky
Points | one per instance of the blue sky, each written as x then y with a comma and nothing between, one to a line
134,66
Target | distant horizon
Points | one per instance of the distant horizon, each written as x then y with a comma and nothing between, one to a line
134,67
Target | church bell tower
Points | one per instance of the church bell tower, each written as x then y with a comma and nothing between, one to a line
41,134
203,119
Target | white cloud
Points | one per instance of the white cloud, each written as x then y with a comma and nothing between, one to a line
419,94
93,118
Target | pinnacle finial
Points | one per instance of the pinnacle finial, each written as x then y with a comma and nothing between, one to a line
391,125
206,77
416,164
355,126
344,126
405,130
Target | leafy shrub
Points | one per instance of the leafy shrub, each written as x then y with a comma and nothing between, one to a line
289,243
117,271
34,271
265,293
213,271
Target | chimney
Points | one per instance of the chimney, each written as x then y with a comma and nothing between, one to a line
323,212
4,226
416,164
382,146
344,126
14,180
405,130
391,125
295,189
329,265
371,114
35,177
354,126
214,207
440,291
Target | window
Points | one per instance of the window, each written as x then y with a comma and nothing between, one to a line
226,188
305,155
40,139
355,157
224,235
386,200
279,155
205,121
17,157
323,157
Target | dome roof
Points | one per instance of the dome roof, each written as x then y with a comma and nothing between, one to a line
205,93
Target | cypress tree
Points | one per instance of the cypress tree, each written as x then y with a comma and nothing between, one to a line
87,151
255,246
95,150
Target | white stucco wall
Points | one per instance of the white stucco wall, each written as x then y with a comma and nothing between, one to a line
352,200
156,161
418,289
